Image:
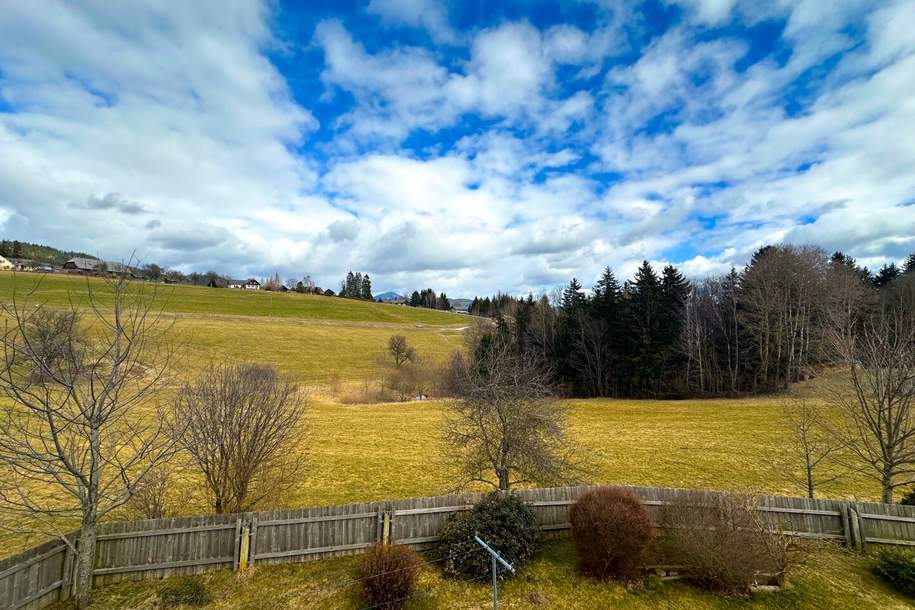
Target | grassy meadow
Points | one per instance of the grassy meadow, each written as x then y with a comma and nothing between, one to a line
364,452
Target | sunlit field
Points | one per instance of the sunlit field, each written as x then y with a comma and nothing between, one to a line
366,452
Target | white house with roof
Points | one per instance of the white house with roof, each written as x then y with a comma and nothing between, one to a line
5,265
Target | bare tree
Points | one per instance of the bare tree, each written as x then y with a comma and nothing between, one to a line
81,428
400,351
508,429
813,444
152,497
880,425
242,424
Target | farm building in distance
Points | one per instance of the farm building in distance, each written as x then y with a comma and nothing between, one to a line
92,266
251,284
5,265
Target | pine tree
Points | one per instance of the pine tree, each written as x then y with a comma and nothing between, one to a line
366,291
17,249
645,330
886,275
908,266
415,300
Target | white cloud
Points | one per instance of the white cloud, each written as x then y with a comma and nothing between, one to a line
171,131
429,14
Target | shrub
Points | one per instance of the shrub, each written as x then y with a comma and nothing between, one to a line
897,567
187,591
611,531
909,498
388,574
503,521
723,542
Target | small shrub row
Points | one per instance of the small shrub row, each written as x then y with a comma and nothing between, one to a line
722,542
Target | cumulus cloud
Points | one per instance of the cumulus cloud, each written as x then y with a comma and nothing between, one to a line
510,154
429,14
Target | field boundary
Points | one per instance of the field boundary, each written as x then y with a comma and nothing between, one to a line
189,545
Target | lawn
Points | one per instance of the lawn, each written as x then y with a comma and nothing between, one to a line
828,578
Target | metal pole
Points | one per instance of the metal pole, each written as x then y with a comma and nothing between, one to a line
495,586
495,567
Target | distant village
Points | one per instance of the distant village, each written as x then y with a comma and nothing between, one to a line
355,285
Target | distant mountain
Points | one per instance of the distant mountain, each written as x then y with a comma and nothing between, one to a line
388,296
461,304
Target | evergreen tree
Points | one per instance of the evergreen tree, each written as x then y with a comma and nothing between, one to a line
886,275
443,303
908,266
17,249
366,291
415,300
644,322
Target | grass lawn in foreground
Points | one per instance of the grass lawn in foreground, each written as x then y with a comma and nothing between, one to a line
827,578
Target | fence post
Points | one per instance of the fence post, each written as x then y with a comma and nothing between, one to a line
863,537
236,555
252,546
244,547
386,528
379,525
846,526
855,528
66,576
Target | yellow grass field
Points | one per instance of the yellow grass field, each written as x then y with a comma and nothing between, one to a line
376,451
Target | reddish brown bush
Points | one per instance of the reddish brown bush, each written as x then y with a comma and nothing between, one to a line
611,530
388,574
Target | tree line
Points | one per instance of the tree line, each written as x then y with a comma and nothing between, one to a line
356,286
428,299
750,331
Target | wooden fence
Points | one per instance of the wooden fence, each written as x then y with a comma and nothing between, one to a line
188,545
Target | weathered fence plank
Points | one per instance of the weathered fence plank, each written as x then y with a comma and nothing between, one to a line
187,545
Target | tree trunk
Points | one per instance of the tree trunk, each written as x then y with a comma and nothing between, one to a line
85,562
503,480
809,480
887,488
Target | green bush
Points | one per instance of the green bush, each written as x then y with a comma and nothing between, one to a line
388,574
503,521
897,567
187,591
909,498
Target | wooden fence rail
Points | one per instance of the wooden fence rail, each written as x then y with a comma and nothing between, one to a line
188,545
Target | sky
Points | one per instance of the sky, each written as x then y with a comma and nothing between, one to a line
468,147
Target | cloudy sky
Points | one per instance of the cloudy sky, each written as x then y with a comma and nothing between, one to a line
463,147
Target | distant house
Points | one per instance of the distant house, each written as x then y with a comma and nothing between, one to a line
251,284
93,266
5,265
24,264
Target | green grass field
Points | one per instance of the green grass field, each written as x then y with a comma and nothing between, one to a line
61,289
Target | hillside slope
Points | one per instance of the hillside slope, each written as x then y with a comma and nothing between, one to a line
61,289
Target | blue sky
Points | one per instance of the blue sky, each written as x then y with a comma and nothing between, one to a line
465,146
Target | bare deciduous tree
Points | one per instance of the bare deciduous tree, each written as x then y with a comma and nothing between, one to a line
508,429
242,423
880,425
400,351
80,429
813,444
151,499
